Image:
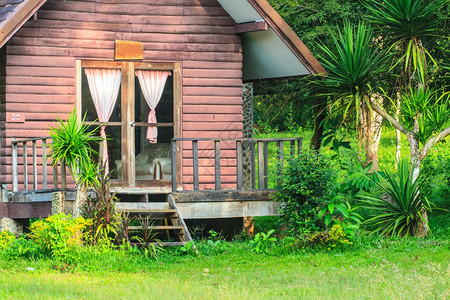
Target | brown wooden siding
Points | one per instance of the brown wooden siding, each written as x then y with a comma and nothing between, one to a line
39,78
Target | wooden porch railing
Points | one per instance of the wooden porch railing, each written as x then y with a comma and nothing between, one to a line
34,142
259,160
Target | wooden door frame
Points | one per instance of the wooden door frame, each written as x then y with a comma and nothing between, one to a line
127,92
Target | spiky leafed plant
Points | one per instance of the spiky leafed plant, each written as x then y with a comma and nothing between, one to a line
72,145
354,65
406,27
400,209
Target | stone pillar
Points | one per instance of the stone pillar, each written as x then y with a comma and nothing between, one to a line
10,225
247,131
58,202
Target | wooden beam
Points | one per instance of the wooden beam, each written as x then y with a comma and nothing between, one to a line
250,27
235,209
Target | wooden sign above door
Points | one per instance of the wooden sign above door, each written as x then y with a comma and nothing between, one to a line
126,50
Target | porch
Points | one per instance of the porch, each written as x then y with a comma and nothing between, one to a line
209,178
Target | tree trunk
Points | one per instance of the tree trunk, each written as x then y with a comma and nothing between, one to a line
80,199
398,136
370,134
319,113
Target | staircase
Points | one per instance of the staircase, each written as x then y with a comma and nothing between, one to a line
161,218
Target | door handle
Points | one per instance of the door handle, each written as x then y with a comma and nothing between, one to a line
132,124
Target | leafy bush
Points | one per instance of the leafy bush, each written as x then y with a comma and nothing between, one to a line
399,209
335,237
23,247
306,185
59,235
6,239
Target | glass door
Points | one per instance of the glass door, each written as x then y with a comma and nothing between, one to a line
136,155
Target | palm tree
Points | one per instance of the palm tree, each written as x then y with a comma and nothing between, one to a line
354,66
407,27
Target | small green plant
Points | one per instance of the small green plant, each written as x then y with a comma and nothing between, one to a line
400,208
6,239
343,214
263,241
23,247
100,208
59,235
335,237
188,249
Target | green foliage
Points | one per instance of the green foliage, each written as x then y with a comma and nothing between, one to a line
23,247
342,214
400,208
407,26
429,109
6,239
329,239
59,235
72,144
354,65
100,208
306,185
188,249
263,241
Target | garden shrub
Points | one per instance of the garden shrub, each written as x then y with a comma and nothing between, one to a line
307,184
6,239
335,237
59,235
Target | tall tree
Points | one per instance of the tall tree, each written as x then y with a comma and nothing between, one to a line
407,28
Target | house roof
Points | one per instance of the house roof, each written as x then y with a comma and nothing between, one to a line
272,52
13,14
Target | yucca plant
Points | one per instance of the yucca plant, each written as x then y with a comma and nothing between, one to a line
401,207
72,145
354,66
406,27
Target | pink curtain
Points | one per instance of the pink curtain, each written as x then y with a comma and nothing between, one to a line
104,85
152,85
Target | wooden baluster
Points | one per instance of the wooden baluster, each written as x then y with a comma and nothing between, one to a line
260,166
35,180
240,170
217,164
63,175
280,158
44,163
15,172
195,164
266,166
173,156
252,158
25,166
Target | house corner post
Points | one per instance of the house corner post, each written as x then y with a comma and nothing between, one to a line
247,132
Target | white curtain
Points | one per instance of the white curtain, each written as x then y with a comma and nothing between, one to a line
152,85
104,85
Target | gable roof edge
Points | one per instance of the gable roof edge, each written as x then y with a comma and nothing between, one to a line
18,18
302,52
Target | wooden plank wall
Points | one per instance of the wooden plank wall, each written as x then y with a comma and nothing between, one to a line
40,82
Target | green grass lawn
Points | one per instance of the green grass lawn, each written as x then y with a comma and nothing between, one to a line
393,270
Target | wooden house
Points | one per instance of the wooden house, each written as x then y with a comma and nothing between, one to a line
168,80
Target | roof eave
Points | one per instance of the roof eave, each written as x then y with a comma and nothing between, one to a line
11,25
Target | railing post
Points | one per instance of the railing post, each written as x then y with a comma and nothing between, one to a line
173,156
253,166
25,165
44,163
15,172
195,164
280,157
266,166
63,175
260,166
55,177
217,164
239,165
35,181
299,146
